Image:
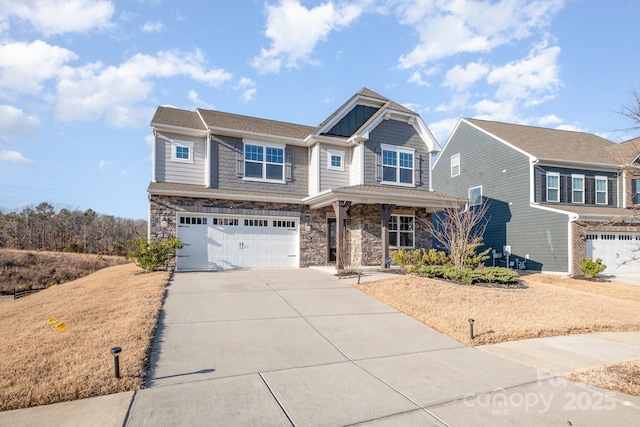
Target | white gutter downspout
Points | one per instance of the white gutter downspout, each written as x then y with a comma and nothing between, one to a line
153,157
207,159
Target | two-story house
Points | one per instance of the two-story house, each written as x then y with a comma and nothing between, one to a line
554,196
246,192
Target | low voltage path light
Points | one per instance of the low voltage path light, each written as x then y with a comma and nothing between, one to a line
116,360
471,328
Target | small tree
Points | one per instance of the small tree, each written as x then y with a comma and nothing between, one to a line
591,268
150,254
460,232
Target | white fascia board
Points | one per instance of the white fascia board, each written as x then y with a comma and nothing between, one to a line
257,136
337,141
341,112
226,196
571,215
581,165
366,197
179,130
426,135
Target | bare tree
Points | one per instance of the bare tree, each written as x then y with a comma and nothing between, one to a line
632,111
460,231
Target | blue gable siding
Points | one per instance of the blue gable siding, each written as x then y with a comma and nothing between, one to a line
350,123
504,174
565,185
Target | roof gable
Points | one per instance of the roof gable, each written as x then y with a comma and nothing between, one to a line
352,121
552,144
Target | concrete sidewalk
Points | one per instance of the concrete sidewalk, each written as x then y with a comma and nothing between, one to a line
299,347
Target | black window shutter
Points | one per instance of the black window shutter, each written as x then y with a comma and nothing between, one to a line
417,169
590,191
610,191
378,165
288,168
240,160
543,187
565,189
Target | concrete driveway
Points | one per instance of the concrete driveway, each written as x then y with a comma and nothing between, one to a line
299,347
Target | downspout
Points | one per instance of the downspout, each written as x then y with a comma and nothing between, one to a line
153,157
572,219
207,165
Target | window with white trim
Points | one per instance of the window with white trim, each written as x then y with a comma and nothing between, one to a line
263,162
455,165
401,231
397,165
577,188
182,151
335,160
553,187
601,190
475,196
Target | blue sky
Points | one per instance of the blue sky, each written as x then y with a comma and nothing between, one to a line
80,79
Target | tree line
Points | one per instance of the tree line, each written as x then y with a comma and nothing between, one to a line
43,227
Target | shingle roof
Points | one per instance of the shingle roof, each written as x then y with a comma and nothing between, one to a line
627,151
555,144
399,191
585,211
175,117
230,121
172,187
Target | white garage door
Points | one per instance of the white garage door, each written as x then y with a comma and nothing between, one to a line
617,251
226,242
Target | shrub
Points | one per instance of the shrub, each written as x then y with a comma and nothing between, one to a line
591,268
494,275
150,254
418,258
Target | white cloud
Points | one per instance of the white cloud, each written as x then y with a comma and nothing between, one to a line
533,78
295,30
104,164
59,16
14,122
95,90
247,87
24,67
416,78
442,129
460,78
15,158
448,28
199,103
153,27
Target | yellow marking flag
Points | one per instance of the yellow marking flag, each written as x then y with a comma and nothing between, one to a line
53,320
61,326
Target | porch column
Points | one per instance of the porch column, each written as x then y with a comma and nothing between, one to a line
340,208
385,213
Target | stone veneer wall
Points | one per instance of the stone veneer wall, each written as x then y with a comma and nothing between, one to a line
363,224
313,223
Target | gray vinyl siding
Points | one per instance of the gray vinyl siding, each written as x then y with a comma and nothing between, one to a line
503,174
540,175
224,161
355,165
179,172
401,134
331,178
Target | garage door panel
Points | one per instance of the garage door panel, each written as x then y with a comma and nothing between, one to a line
617,251
220,243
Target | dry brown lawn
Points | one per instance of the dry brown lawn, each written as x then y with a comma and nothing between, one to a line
39,364
550,306
557,307
623,377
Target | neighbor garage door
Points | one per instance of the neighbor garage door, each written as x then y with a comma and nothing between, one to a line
226,242
617,251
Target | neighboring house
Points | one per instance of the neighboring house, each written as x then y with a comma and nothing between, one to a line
554,196
246,192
